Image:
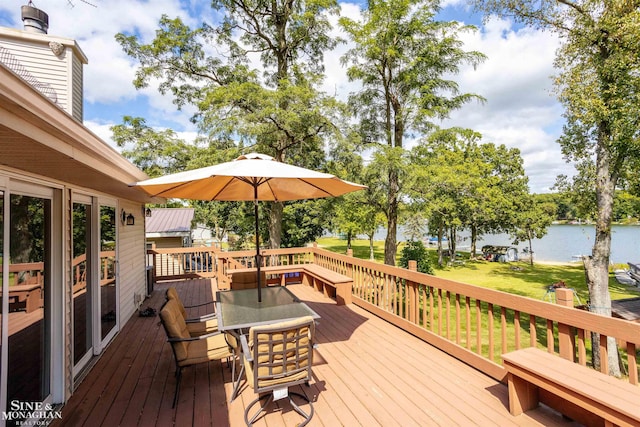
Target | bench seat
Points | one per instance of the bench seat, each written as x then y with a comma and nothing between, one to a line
332,284
26,296
604,400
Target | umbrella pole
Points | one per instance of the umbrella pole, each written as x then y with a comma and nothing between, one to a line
258,260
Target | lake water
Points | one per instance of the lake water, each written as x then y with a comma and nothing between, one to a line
563,242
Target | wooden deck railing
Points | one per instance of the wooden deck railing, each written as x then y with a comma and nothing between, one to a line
471,323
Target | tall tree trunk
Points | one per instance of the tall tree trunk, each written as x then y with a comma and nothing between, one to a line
597,265
371,251
275,225
452,245
440,234
474,238
349,239
390,242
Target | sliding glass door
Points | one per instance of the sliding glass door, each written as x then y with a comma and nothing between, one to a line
94,286
108,272
82,291
26,237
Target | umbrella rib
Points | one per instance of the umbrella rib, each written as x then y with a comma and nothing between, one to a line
159,194
318,188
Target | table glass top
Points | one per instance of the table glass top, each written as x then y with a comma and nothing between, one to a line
241,309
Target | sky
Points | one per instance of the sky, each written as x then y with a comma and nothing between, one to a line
520,109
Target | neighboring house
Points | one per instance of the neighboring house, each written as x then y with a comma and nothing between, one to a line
72,243
169,227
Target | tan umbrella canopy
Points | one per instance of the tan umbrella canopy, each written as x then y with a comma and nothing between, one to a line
249,177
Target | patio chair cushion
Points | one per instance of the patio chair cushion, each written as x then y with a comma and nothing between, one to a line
283,353
204,350
198,326
175,327
191,350
204,327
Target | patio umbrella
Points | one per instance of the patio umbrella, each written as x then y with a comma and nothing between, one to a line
250,177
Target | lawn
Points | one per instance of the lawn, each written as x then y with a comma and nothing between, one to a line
518,278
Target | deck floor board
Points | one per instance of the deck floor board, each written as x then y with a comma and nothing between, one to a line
366,372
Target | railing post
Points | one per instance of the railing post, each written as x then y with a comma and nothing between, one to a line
313,253
566,340
412,294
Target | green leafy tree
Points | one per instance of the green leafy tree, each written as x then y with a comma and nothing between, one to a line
461,183
403,57
156,152
599,85
414,250
275,109
533,219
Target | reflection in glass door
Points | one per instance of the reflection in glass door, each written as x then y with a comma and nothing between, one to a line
82,290
108,288
29,287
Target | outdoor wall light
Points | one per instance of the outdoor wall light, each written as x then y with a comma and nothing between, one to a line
127,219
147,212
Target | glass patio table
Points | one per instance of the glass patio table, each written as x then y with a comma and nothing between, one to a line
238,310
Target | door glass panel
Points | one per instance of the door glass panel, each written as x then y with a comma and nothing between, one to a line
29,287
81,273
107,269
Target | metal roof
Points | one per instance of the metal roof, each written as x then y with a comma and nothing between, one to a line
170,220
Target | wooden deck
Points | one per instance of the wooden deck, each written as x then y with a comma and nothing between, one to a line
366,373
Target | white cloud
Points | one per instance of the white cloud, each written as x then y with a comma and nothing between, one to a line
520,110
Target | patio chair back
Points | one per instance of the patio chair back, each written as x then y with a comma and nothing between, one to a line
281,357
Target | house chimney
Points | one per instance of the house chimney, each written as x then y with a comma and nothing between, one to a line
35,20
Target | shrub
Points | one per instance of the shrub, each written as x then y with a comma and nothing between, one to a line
415,250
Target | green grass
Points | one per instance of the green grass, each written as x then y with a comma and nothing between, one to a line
518,278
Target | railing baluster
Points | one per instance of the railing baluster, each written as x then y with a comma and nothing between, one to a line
491,344
467,306
550,346
582,348
632,363
478,326
458,337
503,325
533,332
448,318
516,327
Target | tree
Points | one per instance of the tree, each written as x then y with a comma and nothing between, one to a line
156,152
533,219
414,250
599,85
462,183
402,57
275,109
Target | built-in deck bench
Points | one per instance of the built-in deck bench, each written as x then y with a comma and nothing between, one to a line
26,296
594,398
332,284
